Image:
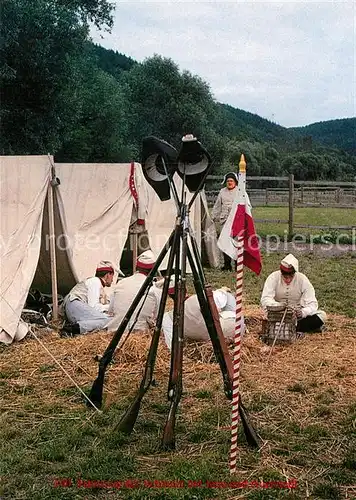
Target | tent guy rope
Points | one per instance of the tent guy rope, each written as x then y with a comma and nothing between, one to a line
57,362
64,371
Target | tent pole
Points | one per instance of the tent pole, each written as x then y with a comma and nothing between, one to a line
52,252
133,245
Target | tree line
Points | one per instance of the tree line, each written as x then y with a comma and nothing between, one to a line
64,95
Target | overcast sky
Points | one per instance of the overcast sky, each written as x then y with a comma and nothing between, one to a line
290,62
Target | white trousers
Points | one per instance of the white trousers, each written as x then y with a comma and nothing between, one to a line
87,317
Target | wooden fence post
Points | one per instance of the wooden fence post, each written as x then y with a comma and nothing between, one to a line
291,206
338,192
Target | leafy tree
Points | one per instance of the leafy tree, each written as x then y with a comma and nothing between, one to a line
99,132
98,12
164,102
250,150
292,165
39,41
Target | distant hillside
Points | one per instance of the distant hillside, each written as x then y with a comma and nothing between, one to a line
111,61
321,150
339,134
88,104
242,123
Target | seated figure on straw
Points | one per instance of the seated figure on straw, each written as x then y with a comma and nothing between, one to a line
86,306
126,290
291,289
194,324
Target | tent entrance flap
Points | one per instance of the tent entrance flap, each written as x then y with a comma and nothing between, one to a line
66,276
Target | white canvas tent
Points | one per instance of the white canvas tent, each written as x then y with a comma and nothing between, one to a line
99,223
100,204
93,207
24,220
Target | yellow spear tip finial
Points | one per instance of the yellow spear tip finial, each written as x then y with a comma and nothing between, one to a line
242,164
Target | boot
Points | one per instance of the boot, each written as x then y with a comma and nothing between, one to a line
70,330
227,263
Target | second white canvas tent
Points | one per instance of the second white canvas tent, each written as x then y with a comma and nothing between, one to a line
160,219
101,200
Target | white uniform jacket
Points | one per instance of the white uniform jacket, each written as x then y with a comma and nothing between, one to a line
299,293
223,205
91,292
123,294
194,324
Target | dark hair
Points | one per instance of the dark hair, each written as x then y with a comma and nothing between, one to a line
288,273
143,270
101,274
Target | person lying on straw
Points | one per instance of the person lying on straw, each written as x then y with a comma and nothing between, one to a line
194,324
289,288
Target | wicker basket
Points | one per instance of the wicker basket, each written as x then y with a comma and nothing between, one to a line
275,332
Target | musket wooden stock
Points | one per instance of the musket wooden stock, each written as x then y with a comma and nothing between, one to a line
175,341
206,310
219,332
175,378
128,420
212,321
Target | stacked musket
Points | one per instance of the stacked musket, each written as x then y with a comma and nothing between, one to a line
160,161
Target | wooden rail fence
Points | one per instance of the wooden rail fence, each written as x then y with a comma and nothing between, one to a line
295,194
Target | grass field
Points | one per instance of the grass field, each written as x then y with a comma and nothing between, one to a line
313,216
302,401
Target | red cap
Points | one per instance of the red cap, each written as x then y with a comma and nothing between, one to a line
106,266
146,260
285,269
107,269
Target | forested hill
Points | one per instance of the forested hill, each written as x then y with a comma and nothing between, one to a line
111,61
265,142
82,103
334,133
242,123
340,134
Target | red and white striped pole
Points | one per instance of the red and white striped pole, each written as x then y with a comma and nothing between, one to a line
238,331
